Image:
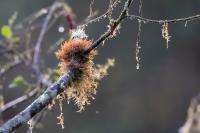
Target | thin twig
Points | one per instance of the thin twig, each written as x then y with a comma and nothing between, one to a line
138,42
41,35
113,25
18,100
90,21
25,97
146,20
3,71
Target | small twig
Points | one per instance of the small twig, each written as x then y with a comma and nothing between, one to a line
138,42
90,21
161,21
113,25
32,18
18,100
41,35
3,71
23,98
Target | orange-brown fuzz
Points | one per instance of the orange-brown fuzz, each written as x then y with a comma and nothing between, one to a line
71,58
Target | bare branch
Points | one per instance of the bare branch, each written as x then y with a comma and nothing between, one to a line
11,66
138,45
41,35
40,103
114,24
18,100
23,98
90,21
146,20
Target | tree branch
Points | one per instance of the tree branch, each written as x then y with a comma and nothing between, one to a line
40,103
58,87
36,56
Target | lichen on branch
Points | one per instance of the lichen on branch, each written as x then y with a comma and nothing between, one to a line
73,58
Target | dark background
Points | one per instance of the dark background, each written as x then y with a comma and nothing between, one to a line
154,99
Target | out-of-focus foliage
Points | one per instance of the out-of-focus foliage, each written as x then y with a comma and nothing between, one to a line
17,81
6,31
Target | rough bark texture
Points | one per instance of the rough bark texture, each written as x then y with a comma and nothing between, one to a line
40,103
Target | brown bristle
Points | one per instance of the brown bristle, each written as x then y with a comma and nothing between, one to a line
71,51
71,57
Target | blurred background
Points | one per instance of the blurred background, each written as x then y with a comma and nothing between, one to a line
153,99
